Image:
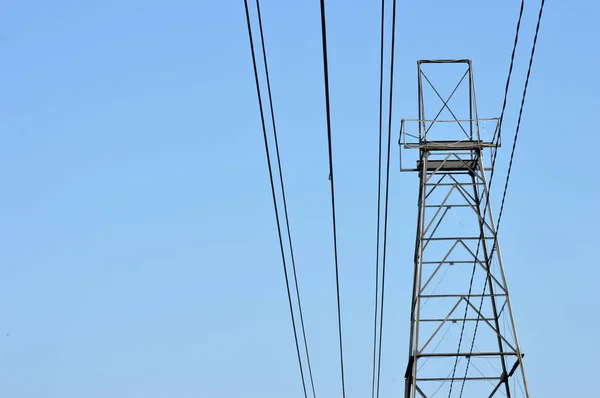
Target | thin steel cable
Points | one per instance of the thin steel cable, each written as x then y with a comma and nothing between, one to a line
506,89
387,191
267,152
436,286
462,387
512,154
436,347
511,158
442,384
285,210
330,149
510,70
376,310
462,330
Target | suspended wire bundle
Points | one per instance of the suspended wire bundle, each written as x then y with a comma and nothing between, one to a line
506,89
512,154
380,293
376,310
304,347
494,246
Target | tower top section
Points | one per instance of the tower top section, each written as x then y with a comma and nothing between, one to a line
447,113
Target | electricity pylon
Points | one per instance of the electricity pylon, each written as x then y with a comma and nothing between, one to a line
463,340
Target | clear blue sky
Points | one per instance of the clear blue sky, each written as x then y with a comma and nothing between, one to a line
138,248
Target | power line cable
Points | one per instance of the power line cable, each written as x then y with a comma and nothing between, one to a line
330,150
512,59
285,210
510,163
376,310
387,184
515,141
267,152
512,154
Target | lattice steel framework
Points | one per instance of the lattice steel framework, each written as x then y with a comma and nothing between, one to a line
463,340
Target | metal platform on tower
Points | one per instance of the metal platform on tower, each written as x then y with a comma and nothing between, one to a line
463,339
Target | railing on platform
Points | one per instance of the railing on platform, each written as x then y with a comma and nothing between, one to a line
442,137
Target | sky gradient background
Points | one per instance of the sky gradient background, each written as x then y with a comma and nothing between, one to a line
138,247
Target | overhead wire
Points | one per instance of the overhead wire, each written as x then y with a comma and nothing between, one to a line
284,201
387,184
506,89
376,310
512,154
274,196
494,247
331,181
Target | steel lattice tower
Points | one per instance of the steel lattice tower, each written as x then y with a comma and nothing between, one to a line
463,340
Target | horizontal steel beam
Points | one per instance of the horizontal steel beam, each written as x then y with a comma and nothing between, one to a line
449,262
461,295
449,206
445,61
444,184
460,238
456,319
457,378
465,354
